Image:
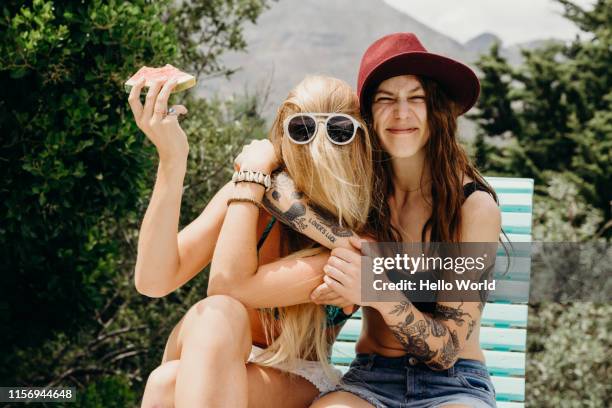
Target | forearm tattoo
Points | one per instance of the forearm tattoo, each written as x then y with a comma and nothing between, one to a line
413,333
451,313
470,329
336,229
448,353
296,216
400,308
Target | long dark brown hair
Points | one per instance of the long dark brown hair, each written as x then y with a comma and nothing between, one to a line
448,164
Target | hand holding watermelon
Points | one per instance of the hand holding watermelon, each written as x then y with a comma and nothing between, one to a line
159,123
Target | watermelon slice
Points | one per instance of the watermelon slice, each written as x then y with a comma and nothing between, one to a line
167,72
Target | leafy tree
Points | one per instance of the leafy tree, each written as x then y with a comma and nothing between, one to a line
553,112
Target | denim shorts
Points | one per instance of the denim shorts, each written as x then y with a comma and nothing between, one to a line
402,382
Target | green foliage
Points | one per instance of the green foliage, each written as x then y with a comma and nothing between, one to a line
553,112
568,355
78,174
108,392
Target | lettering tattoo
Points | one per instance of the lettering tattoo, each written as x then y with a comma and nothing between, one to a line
336,229
296,216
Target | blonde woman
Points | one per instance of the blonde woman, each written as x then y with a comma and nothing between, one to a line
258,309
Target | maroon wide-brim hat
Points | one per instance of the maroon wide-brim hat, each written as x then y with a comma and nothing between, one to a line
403,54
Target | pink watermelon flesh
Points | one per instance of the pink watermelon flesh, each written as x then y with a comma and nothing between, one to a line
161,74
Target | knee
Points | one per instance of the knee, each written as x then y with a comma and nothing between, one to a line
159,391
219,316
164,376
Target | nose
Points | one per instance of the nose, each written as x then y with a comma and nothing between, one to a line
402,109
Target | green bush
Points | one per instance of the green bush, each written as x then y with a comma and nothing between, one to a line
568,358
78,174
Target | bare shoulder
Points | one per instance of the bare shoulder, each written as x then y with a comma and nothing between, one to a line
480,218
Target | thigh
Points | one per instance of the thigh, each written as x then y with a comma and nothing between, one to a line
341,399
269,387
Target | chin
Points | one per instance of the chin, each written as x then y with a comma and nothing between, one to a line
401,150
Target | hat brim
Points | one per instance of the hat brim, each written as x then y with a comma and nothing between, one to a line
458,80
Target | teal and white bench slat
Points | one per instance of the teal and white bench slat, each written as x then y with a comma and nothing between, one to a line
510,202
516,223
503,332
509,388
510,292
511,185
516,237
518,270
504,315
502,339
505,404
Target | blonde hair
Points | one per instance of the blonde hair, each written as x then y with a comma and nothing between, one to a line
338,181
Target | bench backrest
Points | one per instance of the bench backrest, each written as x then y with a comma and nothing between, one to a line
503,334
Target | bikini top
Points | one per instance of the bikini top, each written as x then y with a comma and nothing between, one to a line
334,315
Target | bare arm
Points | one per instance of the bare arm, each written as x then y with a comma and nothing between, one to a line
235,270
166,258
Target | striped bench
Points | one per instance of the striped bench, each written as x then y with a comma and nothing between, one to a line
503,333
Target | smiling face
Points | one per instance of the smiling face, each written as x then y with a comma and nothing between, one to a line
399,115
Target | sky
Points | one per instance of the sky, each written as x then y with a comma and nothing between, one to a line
514,21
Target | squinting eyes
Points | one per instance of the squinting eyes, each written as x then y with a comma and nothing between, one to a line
385,99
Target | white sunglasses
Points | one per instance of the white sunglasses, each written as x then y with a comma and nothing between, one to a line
302,127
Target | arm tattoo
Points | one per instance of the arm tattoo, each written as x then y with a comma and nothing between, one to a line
411,335
298,215
437,328
294,216
336,229
451,313
401,308
470,329
448,353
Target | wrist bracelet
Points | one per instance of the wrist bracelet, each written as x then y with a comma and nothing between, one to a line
252,177
245,200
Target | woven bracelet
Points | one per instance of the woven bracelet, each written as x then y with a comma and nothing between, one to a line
244,200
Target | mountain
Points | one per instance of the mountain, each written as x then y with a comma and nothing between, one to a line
294,38
482,43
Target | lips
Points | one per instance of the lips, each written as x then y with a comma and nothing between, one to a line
398,131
